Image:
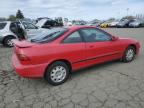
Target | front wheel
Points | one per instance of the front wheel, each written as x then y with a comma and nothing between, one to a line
57,73
129,54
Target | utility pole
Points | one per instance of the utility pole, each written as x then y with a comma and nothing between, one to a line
127,11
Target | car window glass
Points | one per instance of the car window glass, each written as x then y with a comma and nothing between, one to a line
47,22
73,38
48,36
12,25
93,35
2,25
29,25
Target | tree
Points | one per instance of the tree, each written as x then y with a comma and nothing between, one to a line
19,14
11,18
111,19
2,19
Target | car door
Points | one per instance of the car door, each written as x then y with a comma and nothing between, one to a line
74,50
99,46
31,29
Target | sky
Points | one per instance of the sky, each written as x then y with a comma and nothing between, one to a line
72,9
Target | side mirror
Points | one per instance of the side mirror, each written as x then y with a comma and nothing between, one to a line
114,38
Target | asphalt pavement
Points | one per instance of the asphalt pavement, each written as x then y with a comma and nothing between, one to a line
109,85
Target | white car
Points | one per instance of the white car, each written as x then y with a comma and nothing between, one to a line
113,24
17,30
31,29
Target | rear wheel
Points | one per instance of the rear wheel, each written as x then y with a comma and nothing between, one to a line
8,41
129,54
57,73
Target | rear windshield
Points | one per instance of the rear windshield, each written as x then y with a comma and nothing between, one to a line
48,36
2,25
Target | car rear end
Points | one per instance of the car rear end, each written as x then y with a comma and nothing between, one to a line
22,60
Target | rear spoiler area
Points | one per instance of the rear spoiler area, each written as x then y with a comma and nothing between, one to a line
22,43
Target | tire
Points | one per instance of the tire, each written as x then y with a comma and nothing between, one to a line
8,41
129,54
57,73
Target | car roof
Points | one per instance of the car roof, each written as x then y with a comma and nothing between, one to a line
5,21
79,27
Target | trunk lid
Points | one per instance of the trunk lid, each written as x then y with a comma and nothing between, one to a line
23,43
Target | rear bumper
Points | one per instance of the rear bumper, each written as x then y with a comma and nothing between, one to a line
31,71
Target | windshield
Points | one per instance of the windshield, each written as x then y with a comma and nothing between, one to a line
2,25
123,20
29,25
48,35
41,22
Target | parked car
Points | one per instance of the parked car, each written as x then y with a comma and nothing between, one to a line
8,32
137,23
47,23
31,29
142,23
125,22
79,22
17,30
55,54
96,24
69,23
113,24
104,24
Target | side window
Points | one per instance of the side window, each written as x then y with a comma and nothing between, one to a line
94,35
73,38
47,23
12,25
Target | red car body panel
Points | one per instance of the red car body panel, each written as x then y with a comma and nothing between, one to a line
79,55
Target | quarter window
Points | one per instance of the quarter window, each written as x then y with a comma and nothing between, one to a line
73,38
2,25
94,35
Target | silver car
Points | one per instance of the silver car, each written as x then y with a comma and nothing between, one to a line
137,23
17,30
6,34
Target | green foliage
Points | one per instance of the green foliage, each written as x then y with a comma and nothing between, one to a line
19,15
11,18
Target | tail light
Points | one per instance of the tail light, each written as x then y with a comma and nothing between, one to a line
23,57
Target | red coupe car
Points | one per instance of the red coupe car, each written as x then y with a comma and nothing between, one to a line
54,54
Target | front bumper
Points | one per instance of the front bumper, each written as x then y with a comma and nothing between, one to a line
32,71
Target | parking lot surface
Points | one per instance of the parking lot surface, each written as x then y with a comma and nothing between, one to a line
109,85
